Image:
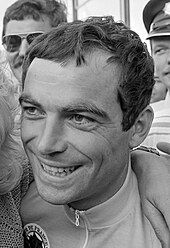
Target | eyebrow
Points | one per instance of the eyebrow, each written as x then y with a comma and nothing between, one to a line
85,107
71,108
28,99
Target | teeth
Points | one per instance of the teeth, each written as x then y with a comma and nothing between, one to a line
56,171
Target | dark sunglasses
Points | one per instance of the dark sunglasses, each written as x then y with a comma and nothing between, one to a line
12,42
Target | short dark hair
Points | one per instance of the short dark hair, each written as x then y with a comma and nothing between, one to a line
74,40
19,10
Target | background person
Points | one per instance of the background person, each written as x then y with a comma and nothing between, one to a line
14,170
78,127
156,17
23,21
154,176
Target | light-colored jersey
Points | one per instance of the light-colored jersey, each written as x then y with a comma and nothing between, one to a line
116,223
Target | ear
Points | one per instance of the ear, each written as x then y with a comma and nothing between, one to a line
141,127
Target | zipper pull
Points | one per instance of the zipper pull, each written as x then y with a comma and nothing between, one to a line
77,217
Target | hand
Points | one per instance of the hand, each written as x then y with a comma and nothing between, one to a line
164,147
153,174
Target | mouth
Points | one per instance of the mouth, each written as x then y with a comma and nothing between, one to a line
167,73
59,171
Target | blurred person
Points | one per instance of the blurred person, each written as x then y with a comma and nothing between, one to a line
23,21
159,90
154,176
78,128
14,170
156,17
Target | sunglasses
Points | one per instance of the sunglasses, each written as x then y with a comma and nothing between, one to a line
12,42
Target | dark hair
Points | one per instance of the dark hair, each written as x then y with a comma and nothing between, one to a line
19,10
74,40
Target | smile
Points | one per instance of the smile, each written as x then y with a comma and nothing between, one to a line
58,171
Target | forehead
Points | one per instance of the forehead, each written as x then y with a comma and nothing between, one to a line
94,81
160,40
28,25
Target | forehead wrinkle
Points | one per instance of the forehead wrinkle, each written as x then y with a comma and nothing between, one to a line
57,72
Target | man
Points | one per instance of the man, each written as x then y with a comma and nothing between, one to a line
156,17
81,116
23,21
28,17
154,177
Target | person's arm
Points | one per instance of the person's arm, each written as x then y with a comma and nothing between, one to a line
153,175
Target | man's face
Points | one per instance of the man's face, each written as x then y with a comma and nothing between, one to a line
161,55
23,27
159,90
72,132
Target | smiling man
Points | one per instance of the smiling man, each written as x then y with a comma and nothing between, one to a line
86,90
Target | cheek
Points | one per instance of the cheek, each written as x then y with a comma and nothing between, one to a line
160,89
88,144
11,60
163,91
26,131
10,56
98,147
159,64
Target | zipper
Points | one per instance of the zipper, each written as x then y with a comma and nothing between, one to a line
77,217
77,223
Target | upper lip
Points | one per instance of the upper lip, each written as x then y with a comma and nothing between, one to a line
58,164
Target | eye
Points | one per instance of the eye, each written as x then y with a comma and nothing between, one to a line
32,111
160,51
80,119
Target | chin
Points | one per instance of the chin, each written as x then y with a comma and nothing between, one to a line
54,196
55,199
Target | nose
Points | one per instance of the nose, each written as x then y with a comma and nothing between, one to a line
51,140
23,47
